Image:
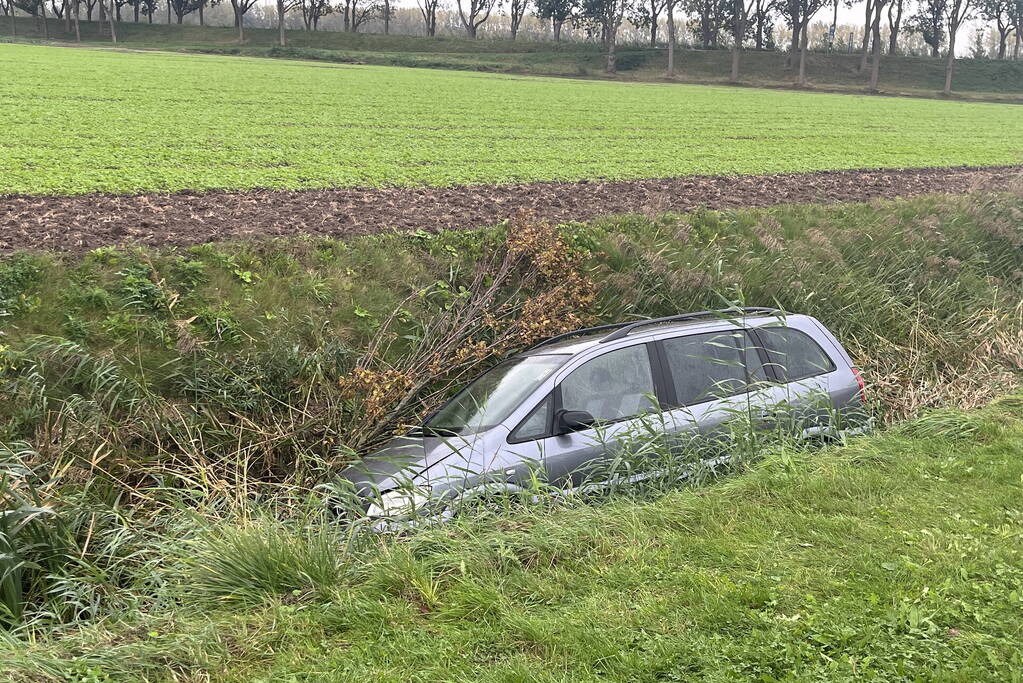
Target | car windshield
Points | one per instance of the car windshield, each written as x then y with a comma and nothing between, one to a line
492,396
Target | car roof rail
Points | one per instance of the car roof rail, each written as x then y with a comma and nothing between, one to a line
577,333
726,313
623,329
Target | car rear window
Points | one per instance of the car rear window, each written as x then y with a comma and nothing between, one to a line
794,355
715,365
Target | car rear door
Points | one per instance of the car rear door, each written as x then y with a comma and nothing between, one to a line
712,379
801,397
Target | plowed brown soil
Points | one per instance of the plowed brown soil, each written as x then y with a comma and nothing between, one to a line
87,222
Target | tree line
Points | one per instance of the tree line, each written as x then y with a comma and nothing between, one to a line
737,25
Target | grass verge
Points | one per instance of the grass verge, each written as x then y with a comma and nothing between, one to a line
896,557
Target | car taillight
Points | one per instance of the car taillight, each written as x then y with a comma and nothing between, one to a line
862,385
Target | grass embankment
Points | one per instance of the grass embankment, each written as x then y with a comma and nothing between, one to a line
319,126
896,558
149,399
918,76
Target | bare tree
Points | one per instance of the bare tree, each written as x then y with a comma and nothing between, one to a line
869,8
798,14
895,11
283,7
428,8
646,14
313,11
875,35
241,8
1000,13
516,10
477,15
740,24
956,13
387,13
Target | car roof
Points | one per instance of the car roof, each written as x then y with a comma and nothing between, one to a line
589,340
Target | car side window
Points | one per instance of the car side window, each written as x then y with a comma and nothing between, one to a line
614,386
536,425
705,367
794,355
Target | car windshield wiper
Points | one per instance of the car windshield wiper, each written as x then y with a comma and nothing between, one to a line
426,430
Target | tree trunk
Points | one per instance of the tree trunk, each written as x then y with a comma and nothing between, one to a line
875,67
737,35
110,18
46,25
1003,43
950,64
280,22
653,31
202,13
612,39
671,39
796,42
557,29
387,17
760,26
168,11
78,28
241,25
865,47
894,25
834,28
804,30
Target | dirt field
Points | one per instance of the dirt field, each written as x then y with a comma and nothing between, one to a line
87,222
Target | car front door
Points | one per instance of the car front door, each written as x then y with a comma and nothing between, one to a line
619,389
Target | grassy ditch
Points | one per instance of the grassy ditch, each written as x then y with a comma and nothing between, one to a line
144,393
895,557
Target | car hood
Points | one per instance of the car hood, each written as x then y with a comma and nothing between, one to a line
412,459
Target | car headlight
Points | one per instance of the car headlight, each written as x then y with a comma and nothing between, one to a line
398,503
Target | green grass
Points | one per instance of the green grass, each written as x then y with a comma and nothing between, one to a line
975,79
894,558
103,121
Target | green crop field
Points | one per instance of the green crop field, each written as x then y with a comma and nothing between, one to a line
80,121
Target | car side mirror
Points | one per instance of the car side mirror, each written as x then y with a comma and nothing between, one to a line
574,420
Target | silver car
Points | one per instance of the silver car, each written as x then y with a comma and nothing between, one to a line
565,406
